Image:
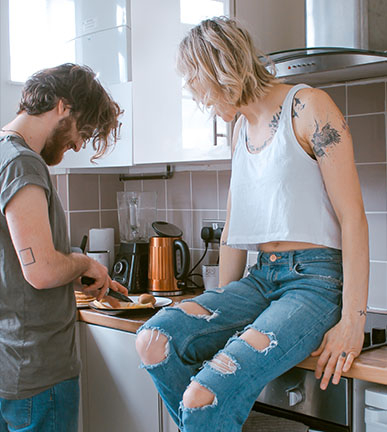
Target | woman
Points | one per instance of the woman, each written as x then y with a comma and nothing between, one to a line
294,197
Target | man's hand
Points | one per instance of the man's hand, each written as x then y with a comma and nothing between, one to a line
339,348
102,281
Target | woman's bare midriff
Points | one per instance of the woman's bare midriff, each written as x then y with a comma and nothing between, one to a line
283,246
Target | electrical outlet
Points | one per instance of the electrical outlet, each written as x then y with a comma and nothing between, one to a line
212,230
213,223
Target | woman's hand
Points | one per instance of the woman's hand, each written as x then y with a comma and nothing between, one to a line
339,348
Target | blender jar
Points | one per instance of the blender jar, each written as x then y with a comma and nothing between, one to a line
136,212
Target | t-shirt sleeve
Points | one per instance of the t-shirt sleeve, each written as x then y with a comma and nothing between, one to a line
22,171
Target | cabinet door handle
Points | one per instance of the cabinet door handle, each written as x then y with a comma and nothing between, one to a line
215,130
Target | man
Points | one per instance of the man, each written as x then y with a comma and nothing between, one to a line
61,108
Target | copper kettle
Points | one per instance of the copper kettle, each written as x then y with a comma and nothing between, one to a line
165,276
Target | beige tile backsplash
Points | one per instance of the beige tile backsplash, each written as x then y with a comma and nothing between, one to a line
191,196
204,190
84,192
368,132
365,99
338,94
179,191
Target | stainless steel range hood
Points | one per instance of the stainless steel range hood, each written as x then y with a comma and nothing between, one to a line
345,41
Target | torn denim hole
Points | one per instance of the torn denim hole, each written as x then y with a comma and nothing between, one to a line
180,415
213,404
238,333
273,342
208,317
154,338
224,364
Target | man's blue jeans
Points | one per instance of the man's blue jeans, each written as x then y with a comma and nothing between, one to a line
53,410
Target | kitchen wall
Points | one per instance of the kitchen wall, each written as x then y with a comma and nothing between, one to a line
189,197
185,200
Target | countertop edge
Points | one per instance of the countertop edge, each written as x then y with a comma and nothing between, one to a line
370,366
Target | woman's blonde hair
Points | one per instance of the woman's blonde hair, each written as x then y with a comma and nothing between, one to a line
218,59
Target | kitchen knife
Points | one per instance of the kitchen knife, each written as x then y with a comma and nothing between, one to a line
86,280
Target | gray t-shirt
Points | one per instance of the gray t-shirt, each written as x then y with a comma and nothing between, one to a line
37,327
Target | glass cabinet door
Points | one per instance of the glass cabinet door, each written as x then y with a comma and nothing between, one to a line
168,125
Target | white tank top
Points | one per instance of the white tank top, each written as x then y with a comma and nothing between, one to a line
279,193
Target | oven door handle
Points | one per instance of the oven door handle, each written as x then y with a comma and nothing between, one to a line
295,396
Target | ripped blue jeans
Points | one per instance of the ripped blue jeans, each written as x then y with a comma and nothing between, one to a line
292,297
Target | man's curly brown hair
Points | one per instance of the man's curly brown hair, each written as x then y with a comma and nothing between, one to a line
94,110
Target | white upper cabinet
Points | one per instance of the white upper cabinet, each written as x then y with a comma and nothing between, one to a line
168,126
103,42
103,38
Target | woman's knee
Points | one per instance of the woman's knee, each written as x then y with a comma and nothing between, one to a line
152,346
197,396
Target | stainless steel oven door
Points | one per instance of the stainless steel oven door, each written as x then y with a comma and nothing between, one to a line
296,395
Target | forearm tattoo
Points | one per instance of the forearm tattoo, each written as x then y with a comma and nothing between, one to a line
26,256
362,312
223,243
323,139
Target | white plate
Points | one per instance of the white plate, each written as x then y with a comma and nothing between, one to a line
160,302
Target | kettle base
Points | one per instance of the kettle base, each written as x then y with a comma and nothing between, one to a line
165,293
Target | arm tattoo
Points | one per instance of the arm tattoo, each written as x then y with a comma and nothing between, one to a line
362,312
26,256
223,243
297,107
324,138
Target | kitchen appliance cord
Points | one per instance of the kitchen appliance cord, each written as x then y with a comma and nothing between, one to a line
190,273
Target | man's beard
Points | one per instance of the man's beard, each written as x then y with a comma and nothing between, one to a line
58,142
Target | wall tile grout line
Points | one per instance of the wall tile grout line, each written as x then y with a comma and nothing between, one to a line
361,82
385,96
165,194
166,199
370,163
99,200
217,192
350,116
84,211
191,205
67,187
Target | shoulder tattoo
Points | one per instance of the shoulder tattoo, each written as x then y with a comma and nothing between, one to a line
324,138
297,107
26,256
